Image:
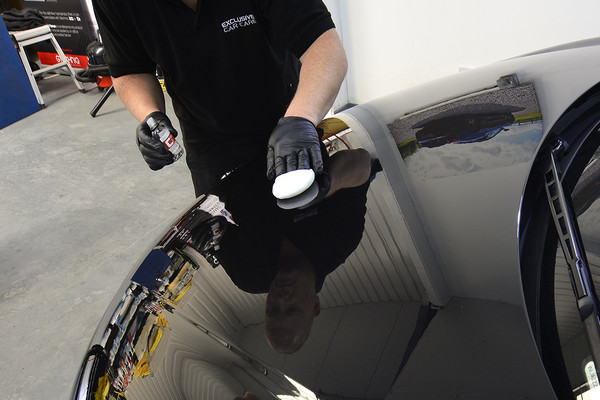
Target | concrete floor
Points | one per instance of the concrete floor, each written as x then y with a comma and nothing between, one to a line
79,207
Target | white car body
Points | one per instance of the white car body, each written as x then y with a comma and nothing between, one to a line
432,304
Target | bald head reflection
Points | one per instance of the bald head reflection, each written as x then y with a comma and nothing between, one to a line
292,301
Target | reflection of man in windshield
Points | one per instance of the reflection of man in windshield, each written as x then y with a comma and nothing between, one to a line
288,253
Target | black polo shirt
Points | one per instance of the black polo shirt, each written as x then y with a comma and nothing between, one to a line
231,67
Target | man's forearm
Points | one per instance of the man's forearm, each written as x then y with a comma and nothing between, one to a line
348,168
324,67
141,94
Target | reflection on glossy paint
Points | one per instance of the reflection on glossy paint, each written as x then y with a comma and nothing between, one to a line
489,130
170,321
302,392
465,124
139,326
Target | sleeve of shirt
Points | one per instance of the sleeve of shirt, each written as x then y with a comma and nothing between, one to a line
296,23
124,50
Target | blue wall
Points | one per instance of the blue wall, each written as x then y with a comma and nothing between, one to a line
17,99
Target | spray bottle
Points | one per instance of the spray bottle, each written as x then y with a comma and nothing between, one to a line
166,138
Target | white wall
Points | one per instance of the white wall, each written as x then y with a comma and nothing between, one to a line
394,44
334,8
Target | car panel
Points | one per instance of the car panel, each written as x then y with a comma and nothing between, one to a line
431,305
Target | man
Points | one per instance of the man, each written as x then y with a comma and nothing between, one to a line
233,69
289,253
292,300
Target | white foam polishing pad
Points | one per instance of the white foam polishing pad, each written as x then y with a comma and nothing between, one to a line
300,200
293,183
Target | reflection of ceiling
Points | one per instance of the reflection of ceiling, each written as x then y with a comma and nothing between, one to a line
182,372
354,351
477,350
377,271
370,308
220,305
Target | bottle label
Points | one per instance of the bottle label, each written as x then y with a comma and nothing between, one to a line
168,140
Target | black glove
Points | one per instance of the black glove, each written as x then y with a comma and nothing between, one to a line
293,144
154,152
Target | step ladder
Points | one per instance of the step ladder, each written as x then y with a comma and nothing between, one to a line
28,37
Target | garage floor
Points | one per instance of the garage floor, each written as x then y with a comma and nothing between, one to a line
79,207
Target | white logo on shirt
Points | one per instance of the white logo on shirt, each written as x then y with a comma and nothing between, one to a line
239,22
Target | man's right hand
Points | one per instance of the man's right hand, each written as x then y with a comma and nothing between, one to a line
154,152
293,144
